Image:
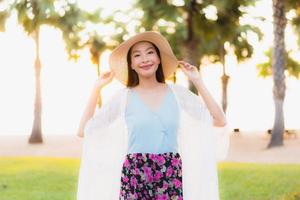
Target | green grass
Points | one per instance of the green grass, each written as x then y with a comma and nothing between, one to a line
245,181
38,178
56,179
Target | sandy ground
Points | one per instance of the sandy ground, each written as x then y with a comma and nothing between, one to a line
252,148
244,147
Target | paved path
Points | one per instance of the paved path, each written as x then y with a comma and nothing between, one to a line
244,147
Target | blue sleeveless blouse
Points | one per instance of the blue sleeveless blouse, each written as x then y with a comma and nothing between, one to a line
152,131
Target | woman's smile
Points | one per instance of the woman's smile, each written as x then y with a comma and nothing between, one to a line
146,67
144,59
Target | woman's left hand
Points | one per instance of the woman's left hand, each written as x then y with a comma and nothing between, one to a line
190,71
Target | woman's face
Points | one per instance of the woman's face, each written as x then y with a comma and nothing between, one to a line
144,59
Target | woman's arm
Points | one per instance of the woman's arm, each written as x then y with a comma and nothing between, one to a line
192,73
219,118
89,109
88,113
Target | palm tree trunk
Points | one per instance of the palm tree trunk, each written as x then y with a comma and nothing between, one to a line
190,44
36,134
278,66
224,79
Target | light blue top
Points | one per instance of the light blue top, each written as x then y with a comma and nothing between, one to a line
152,131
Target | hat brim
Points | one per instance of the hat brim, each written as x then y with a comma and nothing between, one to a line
118,57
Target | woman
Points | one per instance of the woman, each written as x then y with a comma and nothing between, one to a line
152,140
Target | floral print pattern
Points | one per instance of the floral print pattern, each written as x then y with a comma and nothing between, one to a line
147,176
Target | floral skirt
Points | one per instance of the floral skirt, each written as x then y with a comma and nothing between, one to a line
147,176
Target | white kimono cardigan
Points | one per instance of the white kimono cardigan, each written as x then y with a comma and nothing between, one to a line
105,145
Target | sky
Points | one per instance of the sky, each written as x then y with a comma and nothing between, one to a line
66,85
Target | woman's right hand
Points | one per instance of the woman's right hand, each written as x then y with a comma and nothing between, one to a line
104,79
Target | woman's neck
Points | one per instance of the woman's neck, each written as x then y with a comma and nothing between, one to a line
148,84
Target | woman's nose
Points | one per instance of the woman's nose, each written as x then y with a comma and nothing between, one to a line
145,58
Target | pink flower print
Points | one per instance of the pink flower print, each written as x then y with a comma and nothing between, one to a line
148,175
180,198
153,157
177,183
163,197
126,163
125,179
157,175
144,158
149,178
122,193
133,182
136,171
147,170
165,185
169,171
161,160
133,156
175,162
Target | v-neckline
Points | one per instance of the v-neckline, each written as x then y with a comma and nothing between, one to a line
159,107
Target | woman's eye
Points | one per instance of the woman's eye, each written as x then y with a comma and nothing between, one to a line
150,52
136,55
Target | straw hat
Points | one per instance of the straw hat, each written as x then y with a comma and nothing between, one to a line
118,57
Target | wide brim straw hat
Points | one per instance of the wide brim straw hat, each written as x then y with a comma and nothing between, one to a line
118,57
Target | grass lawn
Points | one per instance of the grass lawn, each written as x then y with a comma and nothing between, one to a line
245,181
56,179
38,178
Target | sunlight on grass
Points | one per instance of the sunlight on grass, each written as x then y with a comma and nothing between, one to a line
29,178
259,181
38,178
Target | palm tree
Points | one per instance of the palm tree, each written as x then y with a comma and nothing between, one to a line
279,62
295,6
278,66
230,31
183,19
73,23
292,66
194,34
3,16
32,15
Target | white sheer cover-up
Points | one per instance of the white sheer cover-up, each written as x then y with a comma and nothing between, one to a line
200,144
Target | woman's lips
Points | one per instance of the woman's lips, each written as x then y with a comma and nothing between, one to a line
146,66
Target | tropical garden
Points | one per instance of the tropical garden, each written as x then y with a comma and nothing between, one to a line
199,31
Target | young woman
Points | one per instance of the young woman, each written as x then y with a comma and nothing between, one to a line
152,140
